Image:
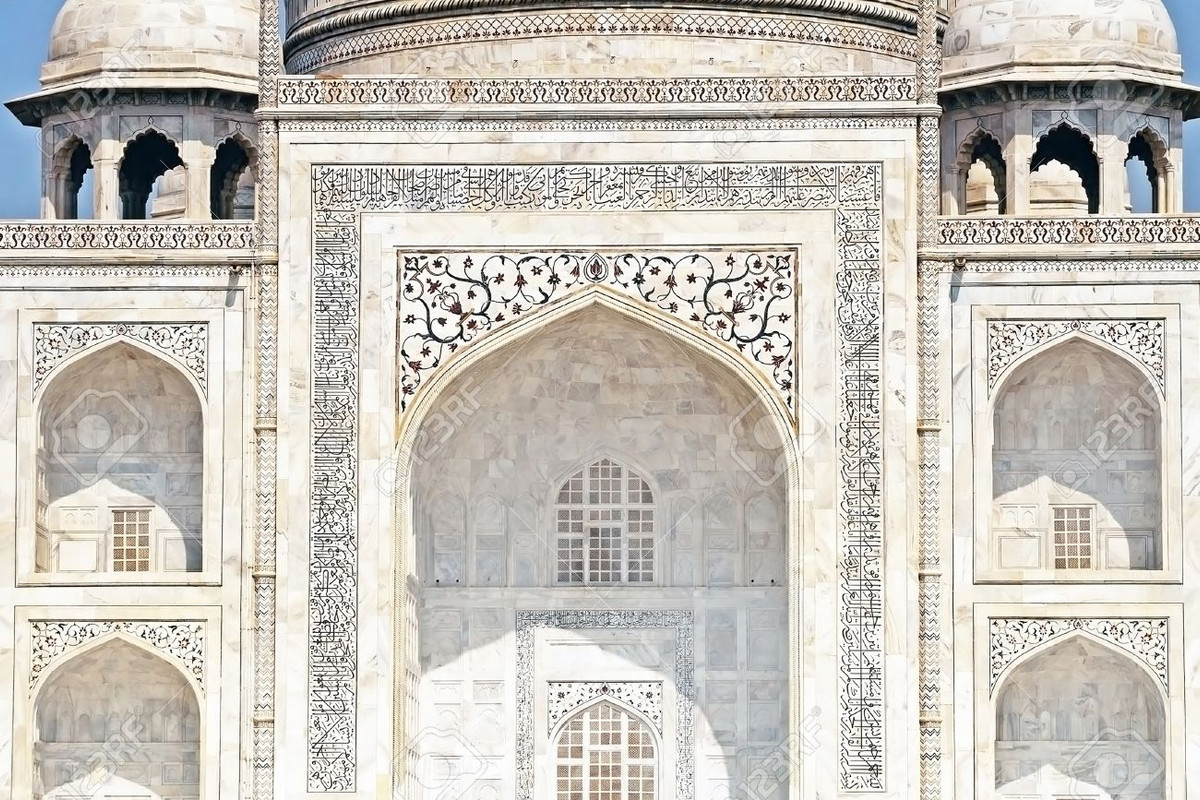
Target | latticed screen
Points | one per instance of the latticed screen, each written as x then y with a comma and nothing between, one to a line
605,753
131,540
1072,537
605,527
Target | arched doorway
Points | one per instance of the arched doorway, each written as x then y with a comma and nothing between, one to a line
119,466
580,475
117,720
1076,464
1082,718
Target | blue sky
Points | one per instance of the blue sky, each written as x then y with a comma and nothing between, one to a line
26,29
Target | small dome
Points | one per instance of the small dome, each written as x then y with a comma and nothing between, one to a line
155,44
1060,40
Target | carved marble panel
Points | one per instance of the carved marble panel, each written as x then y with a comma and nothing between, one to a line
1145,340
52,641
1143,638
184,343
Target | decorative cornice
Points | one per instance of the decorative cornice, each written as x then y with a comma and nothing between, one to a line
622,123
306,29
1143,638
133,236
460,93
1008,231
1099,91
391,37
1050,265
112,271
85,102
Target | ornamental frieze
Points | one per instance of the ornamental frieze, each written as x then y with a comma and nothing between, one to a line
184,343
1144,340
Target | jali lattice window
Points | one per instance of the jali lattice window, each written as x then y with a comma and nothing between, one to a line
1072,537
605,527
131,540
605,753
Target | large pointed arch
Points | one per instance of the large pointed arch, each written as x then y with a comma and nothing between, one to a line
479,346
424,405
469,358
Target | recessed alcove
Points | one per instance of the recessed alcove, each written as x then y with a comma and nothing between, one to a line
120,467
117,720
1076,466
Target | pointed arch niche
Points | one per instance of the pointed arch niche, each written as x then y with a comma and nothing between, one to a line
1074,437
120,465
605,749
1078,716
118,717
600,416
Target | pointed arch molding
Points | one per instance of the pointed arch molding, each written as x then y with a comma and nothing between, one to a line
1143,340
52,641
1144,638
564,698
853,196
745,300
183,343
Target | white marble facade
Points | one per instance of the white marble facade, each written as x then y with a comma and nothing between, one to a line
708,401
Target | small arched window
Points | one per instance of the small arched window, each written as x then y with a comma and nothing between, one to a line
605,753
605,527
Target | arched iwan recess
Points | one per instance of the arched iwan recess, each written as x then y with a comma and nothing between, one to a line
119,466
1076,464
608,420
116,717
1079,718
